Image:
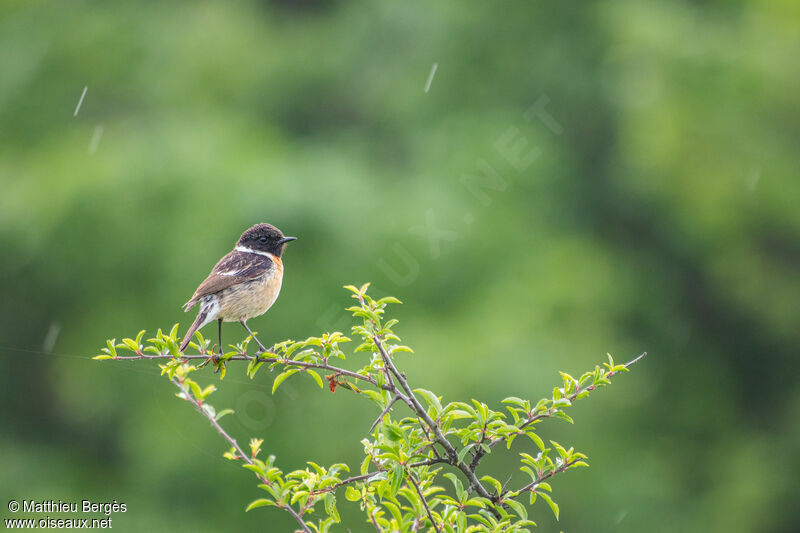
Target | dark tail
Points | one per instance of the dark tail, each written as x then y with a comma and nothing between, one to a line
201,320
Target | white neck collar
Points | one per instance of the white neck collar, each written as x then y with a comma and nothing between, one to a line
247,250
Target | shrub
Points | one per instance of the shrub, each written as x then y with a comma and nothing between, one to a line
400,484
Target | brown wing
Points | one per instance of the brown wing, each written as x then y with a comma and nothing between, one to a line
235,268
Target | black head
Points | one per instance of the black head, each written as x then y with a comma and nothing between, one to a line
264,238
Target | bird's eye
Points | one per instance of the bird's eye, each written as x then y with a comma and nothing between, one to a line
262,239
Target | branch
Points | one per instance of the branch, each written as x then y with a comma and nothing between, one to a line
532,484
571,397
533,418
426,439
429,462
424,501
344,482
383,413
258,357
187,395
374,523
437,431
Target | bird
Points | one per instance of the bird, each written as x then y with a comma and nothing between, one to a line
243,284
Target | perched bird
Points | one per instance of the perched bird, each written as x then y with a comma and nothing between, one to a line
243,284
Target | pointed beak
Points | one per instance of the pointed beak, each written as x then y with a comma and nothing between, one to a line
287,239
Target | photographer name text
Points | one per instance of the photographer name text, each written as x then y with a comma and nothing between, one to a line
84,506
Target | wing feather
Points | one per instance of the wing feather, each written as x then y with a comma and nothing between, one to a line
233,269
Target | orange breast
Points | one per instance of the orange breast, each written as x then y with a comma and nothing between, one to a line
253,298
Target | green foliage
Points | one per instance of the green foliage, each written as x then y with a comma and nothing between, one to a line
419,471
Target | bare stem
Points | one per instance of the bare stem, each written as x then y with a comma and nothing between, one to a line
383,413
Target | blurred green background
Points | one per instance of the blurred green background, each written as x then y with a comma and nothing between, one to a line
614,176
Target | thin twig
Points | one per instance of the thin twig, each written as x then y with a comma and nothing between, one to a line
403,392
532,484
429,462
424,501
368,475
259,357
437,431
432,440
191,399
383,413
374,523
246,458
549,413
344,482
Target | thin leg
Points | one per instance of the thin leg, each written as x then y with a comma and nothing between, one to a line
244,323
219,328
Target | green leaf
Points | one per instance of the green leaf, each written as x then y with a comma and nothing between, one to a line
537,439
460,492
131,344
461,521
397,478
518,508
261,502
252,367
317,379
365,464
365,347
330,507
494,483
397,514
516,401
432,399
376,397
254,468
464,407
563,416
393,432
195,388
560,449
464,451
223,413
530,472
401,349
282,377
352,494
553,505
